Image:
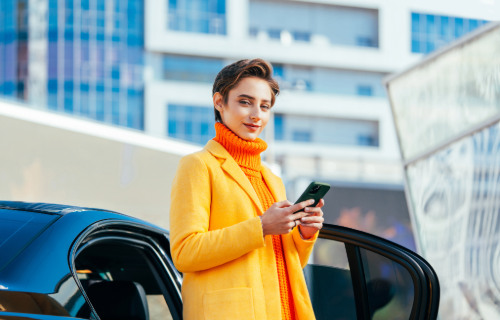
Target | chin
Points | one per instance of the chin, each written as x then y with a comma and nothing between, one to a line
249,136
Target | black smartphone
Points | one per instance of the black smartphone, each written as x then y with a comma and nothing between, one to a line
316,191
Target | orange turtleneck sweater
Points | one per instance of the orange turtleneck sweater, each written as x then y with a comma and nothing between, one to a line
247,155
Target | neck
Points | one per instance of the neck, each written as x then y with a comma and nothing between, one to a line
245,153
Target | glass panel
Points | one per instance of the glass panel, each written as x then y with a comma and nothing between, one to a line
193,124
69,297
455,194
389,285
69,302
193,69
122,271
201,16
329,282
330,131
337,25
18,229
80,26
446,95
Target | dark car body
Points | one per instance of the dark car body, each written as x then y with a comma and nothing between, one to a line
60,262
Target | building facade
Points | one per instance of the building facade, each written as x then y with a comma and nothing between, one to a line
447,115
332,120
81,57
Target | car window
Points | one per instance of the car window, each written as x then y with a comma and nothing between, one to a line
122,281
18,229
67,302
69,297
329,281
389,286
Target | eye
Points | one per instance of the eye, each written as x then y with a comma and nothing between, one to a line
245,102
266,107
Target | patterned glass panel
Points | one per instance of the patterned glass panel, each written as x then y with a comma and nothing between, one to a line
447,95
455,195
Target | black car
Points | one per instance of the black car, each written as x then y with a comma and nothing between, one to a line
61,262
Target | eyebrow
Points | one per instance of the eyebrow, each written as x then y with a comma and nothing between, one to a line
252,98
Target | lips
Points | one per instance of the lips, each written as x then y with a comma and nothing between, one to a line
252,127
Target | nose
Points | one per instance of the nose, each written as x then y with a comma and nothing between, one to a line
255,114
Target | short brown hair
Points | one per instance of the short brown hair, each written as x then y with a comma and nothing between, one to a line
231,75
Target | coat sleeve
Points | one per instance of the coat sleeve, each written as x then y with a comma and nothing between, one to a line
304,246
193,247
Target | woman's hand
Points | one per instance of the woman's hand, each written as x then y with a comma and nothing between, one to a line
279,218
313,221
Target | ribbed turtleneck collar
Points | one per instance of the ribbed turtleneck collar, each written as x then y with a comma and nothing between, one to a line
245,153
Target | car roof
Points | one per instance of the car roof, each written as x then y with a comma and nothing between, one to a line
47,208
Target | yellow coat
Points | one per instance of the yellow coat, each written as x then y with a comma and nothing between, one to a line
216,240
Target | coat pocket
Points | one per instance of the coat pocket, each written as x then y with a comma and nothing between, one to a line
234,303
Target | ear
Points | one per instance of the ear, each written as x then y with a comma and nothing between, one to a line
218,101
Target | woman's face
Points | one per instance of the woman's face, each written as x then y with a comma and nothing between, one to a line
248,107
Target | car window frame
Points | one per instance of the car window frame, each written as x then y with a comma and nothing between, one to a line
425,280
134,234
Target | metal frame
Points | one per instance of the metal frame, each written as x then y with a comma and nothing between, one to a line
98,229
423,275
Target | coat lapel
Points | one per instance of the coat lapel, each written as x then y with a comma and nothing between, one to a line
233,169
274,184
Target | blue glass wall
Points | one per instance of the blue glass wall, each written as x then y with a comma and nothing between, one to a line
201,16
429,32
196,69
194,124
13,48
325,130
95,57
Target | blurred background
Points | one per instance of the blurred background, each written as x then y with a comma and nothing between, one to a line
100,99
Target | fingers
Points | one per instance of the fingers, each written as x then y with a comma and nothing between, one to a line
282,204
321,203
299,206
311,220
315,211
298,215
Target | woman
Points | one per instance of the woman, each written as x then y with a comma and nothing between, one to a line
233,233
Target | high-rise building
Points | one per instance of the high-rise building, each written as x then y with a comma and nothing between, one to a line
150,65
332,120
82,57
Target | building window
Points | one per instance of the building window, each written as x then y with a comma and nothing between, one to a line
278,70
338,25
329,80
253,32
366,140
302,36
429,32
195,69
326,131
193,124
200,16
81,56
302,136
365,42
278,126
274,34
364,90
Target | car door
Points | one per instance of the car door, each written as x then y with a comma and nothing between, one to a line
353,275
124,271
